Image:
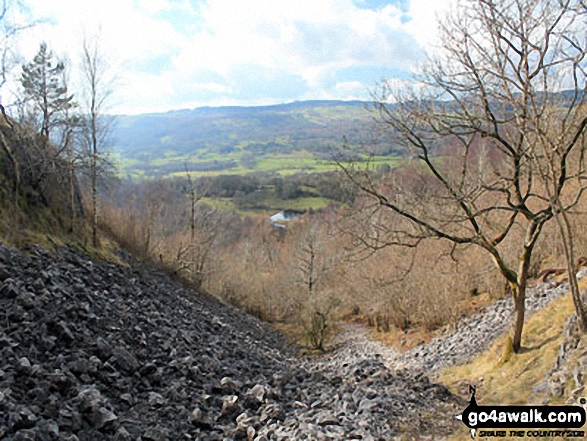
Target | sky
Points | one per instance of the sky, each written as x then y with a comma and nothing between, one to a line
177,54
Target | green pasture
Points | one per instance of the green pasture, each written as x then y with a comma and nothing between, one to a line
279,164
272,204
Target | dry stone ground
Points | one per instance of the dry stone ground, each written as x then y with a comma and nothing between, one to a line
92,350
96,351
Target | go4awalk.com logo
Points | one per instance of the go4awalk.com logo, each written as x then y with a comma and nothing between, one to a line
523,421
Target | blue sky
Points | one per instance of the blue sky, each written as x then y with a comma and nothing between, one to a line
174,54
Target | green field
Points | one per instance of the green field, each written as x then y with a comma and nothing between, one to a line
273,205
283,139
261,144
278,164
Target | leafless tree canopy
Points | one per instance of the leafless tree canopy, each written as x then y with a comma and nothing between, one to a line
504,92
13,20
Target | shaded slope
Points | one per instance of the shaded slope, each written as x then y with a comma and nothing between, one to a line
96,349
222,128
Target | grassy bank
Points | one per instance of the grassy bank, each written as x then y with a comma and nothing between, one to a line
514,381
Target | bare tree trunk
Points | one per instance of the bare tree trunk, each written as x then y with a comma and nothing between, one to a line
45,125
565,230
70,178
520,312
566,233
94,134
195,197
96,94
72,194
532,234
94,200
310,270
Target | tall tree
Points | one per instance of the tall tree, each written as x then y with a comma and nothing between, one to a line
71,136
314,265
98,85
472,126
42,82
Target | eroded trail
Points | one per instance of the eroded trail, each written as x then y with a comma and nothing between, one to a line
458,345
473,334
354,392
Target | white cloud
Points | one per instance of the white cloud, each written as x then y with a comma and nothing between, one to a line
308,37
423,25
125,35
351,88
177,53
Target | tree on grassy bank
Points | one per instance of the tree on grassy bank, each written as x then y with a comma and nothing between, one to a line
474,125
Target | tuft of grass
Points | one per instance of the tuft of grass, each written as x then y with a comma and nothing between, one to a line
295,335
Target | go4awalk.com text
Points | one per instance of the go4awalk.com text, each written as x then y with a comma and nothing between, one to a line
531,433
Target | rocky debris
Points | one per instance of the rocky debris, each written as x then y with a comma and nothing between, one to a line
356,396
474,334
570,365
93,351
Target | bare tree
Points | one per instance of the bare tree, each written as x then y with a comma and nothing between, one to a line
314,265
10,27
548,158
196,192
471,126
98,84
71,136
194,256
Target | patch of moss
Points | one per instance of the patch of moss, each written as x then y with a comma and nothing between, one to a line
508,351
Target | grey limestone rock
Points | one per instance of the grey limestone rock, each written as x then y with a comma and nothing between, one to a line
124,352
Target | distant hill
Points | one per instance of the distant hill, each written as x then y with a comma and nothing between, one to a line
213,140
